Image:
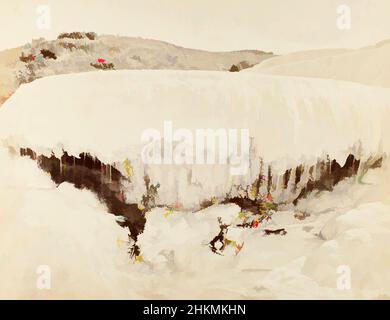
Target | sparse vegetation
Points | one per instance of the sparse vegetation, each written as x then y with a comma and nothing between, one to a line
27,58
149,199
208,203
27,75
70,46
91,35
72,35
103,65
67,45
240,66
78,35
234,68
47,54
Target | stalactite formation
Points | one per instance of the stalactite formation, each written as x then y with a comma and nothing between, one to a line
260,200
104,180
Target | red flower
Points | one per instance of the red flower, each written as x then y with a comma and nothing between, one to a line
100,60
269,197
255,223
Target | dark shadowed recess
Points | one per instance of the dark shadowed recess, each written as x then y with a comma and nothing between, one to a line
87,172
104,180
328,174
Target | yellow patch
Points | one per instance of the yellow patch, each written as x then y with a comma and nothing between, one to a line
168,213
139,259
128,168
242,215
253,192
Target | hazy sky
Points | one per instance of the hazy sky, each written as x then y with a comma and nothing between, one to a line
219,25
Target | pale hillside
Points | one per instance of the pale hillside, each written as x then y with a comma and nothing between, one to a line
368,65
82,52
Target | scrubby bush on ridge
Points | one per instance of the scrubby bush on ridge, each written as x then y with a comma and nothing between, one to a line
47,54
103,66
78,35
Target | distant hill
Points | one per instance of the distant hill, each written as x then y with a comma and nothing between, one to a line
80,52
368,65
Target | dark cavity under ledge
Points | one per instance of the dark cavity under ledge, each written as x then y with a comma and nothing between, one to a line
105,181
